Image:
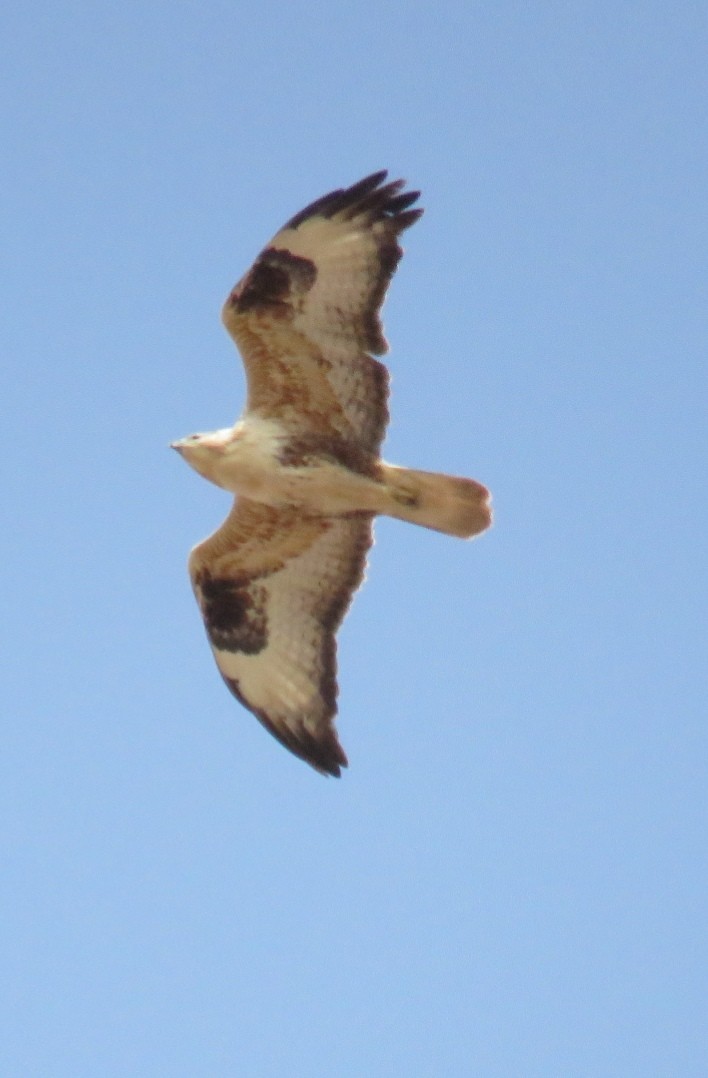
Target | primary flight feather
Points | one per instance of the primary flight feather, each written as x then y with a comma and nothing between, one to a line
274,582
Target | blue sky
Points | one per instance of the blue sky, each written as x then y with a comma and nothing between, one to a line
511,877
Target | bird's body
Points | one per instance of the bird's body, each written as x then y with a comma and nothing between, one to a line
259,459
275,580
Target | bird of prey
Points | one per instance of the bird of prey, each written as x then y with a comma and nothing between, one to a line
275,580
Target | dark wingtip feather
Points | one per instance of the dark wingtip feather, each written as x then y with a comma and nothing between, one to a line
323,752
405,220
370,196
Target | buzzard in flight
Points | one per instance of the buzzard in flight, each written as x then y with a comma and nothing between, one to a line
274,582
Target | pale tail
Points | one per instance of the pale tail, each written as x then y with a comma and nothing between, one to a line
445,503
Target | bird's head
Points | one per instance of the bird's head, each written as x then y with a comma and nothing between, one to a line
204,452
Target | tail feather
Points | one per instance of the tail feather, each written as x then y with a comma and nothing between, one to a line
446,503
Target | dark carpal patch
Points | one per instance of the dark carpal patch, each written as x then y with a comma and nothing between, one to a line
234,614
274,281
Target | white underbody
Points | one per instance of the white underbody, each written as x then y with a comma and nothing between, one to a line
246,460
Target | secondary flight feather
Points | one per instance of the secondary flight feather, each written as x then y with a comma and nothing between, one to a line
276,579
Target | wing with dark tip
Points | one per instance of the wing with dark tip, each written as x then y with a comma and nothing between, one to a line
273,587
306,317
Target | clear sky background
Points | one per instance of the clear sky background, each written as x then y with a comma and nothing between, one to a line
510,879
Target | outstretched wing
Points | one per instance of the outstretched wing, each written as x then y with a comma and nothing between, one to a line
273,587
306,315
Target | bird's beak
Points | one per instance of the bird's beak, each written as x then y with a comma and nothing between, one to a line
177,446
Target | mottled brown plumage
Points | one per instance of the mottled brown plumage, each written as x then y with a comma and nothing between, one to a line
273,588
311,298
274,582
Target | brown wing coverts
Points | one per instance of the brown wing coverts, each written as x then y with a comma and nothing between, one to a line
273,588
306,316
275,279
234,612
